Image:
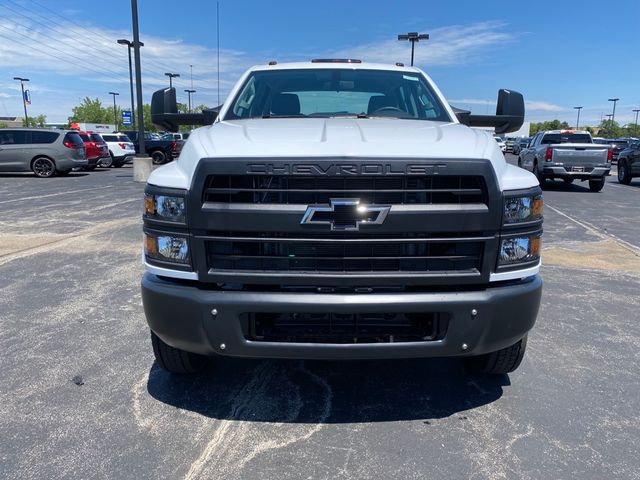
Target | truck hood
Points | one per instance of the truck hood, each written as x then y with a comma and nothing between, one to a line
320,137
332,137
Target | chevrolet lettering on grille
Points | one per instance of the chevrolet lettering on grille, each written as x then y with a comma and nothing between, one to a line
345,214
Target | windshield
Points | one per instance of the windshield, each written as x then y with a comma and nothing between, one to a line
325,93
551,138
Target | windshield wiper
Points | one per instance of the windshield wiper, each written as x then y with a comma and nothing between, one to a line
281,116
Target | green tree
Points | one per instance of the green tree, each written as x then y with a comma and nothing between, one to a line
610,129
92,111
3,125
37,121
548,125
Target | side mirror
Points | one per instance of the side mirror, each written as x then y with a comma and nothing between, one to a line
509,115
164,112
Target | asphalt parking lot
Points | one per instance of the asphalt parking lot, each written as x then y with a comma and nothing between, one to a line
81,396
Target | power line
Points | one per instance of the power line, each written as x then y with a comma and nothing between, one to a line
150,65
66,60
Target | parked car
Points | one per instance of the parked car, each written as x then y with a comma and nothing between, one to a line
174,136
44,152
501,144
629,163
121,149
508,143
97,149
160,151
618,145
519,144
567,155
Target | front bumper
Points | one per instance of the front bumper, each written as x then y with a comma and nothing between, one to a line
181,315
560,171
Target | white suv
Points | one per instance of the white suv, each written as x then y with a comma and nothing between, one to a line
121,150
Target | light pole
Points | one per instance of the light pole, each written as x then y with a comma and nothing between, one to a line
136,49
129,45
171,77
24,100
189,92
636,110
613,115
115,114
413,37
578,120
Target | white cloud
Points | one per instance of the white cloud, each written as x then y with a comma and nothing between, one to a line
451,45
544,106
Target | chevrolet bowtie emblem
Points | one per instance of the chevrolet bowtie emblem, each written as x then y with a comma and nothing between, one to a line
345,214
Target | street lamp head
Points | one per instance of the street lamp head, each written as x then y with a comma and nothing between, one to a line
114,93
577,108
21,79
124,41
172,75
614,99
414,36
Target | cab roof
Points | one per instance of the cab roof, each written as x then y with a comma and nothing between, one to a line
347,64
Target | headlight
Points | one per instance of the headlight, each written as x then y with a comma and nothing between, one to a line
519,249
520,209
167,248
168,208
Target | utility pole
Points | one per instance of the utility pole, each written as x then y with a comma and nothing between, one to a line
129,45
136,48
636,110
413,37
24,100
578,120
613,115
171,77
115,109
189,92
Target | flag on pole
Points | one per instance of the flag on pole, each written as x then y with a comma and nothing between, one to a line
27,97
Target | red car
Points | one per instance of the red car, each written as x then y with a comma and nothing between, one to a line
97,149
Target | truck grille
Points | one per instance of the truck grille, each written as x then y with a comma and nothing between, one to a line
309,190
337,328
344,255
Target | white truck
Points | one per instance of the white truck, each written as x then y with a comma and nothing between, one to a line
336,209
567,155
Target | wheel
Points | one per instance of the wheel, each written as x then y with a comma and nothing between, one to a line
63,172
624,174
519,162
596,185
43,167
567,181
174,360
539,175
500,362
107,161
158,157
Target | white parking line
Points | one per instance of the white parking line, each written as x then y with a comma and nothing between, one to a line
22,199
596,231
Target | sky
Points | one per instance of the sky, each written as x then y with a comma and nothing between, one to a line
557,54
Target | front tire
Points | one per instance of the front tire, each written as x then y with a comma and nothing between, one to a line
174,360
498,363
43,167
596,185
624,174
158,157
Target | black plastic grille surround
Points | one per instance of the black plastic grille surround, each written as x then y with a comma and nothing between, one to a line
314,190
344,255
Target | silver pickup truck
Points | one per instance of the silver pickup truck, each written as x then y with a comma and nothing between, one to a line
567,155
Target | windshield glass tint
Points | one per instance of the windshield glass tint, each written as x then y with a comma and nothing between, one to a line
323,93
566,138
